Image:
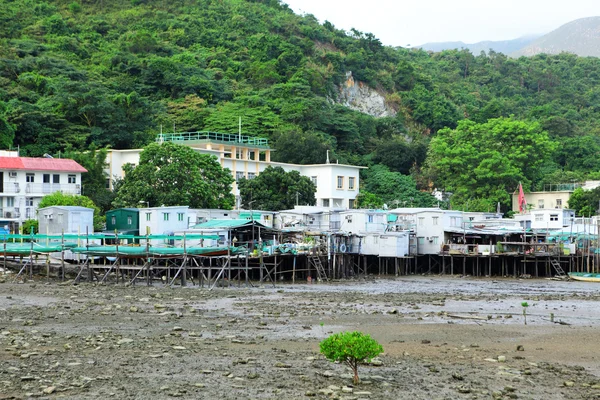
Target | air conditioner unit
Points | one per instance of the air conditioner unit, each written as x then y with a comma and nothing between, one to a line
12,174
349,217
8,214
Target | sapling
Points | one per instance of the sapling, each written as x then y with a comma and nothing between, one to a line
525,305
351,348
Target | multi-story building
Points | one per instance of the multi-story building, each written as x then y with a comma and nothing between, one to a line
553,196
246,157
25,180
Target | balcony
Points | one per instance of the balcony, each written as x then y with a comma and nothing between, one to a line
46,188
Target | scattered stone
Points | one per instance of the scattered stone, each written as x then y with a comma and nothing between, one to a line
501,359
569,383
520,348
49,390
425,341
125,341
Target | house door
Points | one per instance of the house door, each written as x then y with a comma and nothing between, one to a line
46,184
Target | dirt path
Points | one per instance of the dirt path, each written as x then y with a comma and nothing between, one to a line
97,342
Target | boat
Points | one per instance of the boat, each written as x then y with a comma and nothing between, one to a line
584,276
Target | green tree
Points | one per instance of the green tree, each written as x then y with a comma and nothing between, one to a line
482,163
585,202
171,174
93,182
350,348
62,199
395,189
274,190
368,200
30,225
301,147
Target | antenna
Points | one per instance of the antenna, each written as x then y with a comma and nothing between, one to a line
327,162
240,129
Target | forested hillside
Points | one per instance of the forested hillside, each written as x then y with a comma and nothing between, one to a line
96,73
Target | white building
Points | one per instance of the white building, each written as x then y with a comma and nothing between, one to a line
56,220
429,226
364,221
246,157
163,221
546,219
25,180
309,218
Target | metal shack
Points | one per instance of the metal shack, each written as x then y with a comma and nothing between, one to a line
55,220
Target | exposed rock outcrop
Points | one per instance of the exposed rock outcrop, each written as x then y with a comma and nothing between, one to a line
360,97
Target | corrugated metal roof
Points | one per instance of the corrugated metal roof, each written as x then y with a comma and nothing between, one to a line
68,208
227,224
40,164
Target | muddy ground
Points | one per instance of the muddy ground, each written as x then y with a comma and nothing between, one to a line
95,342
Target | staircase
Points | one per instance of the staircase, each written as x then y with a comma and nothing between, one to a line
316,262
560,272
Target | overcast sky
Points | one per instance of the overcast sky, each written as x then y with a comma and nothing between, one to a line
415,22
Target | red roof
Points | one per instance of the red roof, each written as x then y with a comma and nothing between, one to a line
40,164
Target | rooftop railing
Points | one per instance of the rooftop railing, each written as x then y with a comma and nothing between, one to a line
212,137
562,187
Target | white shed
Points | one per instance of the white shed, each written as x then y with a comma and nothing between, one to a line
55,220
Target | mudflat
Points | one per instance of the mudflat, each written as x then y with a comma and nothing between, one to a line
444,338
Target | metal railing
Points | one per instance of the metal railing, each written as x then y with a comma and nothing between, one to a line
562,187
47,188
212,137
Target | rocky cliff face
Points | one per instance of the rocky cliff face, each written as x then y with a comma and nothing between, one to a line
360,97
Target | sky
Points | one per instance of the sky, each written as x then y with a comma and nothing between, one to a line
415,22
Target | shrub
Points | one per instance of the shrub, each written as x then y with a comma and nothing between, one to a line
351,348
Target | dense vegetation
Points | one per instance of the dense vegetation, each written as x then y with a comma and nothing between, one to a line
87,74
275,189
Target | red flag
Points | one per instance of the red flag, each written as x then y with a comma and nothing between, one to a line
522,201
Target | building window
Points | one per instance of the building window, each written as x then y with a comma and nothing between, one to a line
558,203
340,182
251,175
30,178
370,218
56,178
421,221
553,217
148,216
46,178
325,202
421,240
539,217
129,220
29,201
179,216
113,220
435,220
453,221
239,175
165,216
313,179
10,202
72,178
351,204
351,183
28,213
435,239
541,203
